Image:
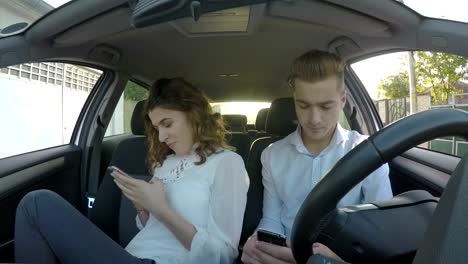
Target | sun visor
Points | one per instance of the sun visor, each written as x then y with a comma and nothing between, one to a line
151,12
315,12
234,21
112,22
14,50
343,46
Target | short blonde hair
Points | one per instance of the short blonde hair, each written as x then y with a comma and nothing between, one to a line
316,65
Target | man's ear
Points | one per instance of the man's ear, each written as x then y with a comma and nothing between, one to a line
343,99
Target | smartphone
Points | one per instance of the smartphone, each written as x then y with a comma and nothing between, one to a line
270,237
115,168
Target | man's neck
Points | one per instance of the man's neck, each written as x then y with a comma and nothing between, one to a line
316,146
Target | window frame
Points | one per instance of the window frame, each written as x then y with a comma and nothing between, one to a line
373,111
59,65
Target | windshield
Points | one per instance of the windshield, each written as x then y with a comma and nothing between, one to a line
18,15
448,9
249,109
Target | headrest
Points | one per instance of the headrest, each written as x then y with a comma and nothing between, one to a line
235,123
137,123
260,122
282,119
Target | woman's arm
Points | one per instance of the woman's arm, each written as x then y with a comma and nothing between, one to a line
152,197
219,240
182,230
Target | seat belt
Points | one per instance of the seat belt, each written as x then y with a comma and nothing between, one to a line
95,165
353,121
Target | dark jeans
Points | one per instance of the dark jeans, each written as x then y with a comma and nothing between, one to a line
50,230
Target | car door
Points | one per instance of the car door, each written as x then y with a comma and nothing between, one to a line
429,165
47,111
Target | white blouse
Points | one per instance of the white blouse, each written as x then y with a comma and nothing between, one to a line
211,196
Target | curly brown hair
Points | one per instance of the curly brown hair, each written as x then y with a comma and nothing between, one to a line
208,127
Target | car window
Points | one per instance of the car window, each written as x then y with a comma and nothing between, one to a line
344,121
441,81
122,116
249,109
41,103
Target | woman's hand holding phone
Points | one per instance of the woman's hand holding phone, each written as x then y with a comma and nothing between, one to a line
143,214
149,196
114,170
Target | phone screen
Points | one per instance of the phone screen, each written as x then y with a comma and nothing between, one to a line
115,168
270,237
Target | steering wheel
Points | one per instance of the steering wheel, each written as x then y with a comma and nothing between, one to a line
445,239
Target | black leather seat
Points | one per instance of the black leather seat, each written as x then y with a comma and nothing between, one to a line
237,135
260,121
260,125
112,212
241,142
235,123
281,121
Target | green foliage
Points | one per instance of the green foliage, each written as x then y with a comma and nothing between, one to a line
135,92
440,72
394,86
437,71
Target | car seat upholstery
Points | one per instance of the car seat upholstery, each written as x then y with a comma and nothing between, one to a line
281,121
112,212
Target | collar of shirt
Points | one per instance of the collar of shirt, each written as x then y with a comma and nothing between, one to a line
339,136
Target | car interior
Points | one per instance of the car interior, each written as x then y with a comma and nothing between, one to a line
240,50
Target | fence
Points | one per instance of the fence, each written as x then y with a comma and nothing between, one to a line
452,145
390,110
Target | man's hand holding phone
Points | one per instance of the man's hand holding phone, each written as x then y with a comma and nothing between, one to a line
269,247
263,248
271,237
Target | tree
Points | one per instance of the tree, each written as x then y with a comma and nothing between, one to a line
394,86
437,71
440,72
135,92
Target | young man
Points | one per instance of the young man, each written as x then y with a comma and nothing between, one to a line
294,165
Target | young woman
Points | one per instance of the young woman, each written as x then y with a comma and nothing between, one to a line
190,212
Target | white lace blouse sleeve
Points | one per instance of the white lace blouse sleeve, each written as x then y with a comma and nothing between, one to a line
218,242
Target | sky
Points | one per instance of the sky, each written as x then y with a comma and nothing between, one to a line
447,9
372,71
56,3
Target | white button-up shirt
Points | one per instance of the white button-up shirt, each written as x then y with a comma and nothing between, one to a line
211,196
290,172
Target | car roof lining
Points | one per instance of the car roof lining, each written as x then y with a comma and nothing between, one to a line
203,59
102,25
317,13
75,13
